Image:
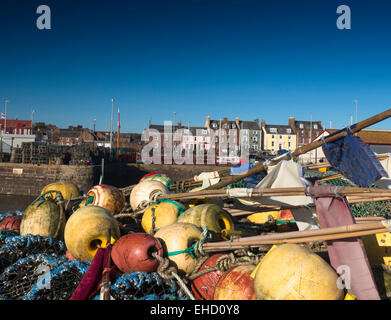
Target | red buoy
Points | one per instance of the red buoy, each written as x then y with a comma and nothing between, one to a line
236,284
133,252
203,287
11,224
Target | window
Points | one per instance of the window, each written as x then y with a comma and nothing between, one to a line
273,130
289,144
289,137
315,126
272,136
301,126
272,143
288,130
280,137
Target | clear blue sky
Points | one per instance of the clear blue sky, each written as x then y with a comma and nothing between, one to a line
246,58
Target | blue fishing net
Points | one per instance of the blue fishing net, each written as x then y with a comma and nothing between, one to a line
354,159
144,286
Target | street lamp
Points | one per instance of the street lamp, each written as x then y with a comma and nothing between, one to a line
111,124
356,101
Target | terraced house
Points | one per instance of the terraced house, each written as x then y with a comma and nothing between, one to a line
278,137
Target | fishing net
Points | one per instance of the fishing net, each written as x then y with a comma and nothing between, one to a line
18,247
363,209
145,286
63,282
17,279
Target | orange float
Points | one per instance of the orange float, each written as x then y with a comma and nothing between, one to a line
204,286
236,284
133,252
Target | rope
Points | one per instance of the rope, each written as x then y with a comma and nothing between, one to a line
229,261
90,200
153,222
196,249
170,272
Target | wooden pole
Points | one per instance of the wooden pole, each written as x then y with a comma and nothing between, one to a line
324,234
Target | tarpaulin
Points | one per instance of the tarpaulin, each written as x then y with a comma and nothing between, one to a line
354,159
89,286
286,174
345,254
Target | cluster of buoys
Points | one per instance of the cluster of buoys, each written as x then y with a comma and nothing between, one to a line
172,230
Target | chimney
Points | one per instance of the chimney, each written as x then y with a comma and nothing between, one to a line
207,122
291,123
263,123
179,124
237,121
149,122
257,121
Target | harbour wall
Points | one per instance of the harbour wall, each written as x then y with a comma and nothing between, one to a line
30,179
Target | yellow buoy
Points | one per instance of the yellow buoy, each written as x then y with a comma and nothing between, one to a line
210,215
86,231
144,191
68,189
294,272
106,196
44,218
177,240
166,213
263,217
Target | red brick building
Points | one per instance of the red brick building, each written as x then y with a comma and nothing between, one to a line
16,126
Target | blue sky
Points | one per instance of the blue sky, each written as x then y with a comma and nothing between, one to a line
247,58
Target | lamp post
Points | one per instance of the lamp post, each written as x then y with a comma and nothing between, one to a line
111,124
5,121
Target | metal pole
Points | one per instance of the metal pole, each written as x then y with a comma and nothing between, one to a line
356,101
111,125
5,121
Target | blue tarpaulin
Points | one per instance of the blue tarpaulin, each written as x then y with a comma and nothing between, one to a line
354,159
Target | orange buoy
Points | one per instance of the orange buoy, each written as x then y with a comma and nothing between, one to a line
236,284
204,286
133,252
106,196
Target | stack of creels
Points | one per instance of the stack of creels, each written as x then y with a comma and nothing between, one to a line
145,286
17,280
19,247
61,282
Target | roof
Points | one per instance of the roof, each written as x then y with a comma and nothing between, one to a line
280,129
375,137
64,133
243,124
307,124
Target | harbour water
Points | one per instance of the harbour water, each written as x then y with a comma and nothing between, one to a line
14,202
